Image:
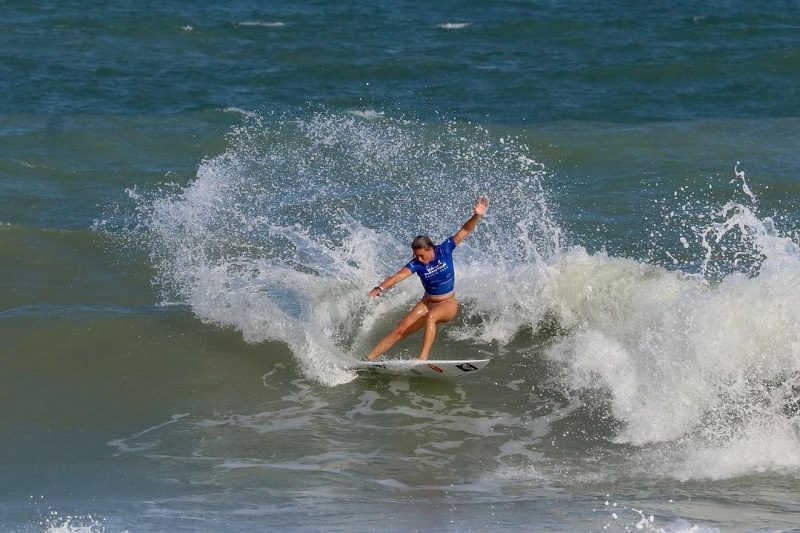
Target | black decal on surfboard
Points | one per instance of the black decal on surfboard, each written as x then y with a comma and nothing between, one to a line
417,372
467,367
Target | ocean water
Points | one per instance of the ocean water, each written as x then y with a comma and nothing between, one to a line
196,197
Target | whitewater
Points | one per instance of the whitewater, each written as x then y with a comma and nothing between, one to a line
281,236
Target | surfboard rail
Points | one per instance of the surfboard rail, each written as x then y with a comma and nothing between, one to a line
435,368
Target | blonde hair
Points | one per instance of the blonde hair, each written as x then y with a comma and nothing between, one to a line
422,241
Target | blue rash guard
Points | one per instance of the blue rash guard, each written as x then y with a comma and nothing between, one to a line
438,277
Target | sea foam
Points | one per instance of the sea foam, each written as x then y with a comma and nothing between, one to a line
703,366
282,235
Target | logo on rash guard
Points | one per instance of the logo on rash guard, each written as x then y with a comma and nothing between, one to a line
433,270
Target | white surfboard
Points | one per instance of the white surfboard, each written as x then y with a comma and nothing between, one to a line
428,369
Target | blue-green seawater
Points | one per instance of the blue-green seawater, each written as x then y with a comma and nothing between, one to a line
196,197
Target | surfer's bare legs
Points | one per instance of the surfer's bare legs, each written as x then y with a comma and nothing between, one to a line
437,312
411,323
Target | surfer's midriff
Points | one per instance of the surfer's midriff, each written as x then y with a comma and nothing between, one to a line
435,299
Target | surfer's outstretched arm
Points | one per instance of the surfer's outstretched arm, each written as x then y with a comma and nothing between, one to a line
470,225
398,276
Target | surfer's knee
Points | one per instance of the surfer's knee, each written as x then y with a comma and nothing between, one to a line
431,321
442,315
403,327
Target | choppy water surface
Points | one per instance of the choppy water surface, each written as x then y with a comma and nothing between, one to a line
197,198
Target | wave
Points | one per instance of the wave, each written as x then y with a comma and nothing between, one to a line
453,25
261,23
281,236
366,114
702,367
683,362
243,112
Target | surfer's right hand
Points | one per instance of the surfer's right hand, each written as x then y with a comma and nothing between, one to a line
376,291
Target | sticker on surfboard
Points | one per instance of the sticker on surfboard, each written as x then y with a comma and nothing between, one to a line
430,368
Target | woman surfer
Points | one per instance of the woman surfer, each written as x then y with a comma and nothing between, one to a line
434,266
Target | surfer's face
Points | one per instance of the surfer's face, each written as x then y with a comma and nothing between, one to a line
424,255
